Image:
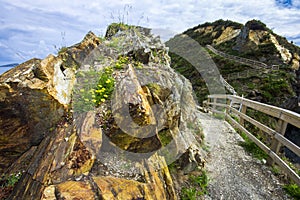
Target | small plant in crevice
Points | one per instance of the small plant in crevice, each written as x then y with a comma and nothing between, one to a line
11,180
7,183
197,187
62,50
104,88
165,137
121,62
93,89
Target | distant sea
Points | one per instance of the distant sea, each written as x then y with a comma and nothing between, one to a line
4,68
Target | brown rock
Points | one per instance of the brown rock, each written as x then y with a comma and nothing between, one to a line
36,111
121,189
89,133
135,128
75,190
295,64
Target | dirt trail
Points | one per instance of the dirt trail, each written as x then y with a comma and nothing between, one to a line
233,173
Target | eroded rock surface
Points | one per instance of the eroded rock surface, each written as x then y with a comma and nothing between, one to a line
70,147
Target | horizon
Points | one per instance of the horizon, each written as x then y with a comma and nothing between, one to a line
36,29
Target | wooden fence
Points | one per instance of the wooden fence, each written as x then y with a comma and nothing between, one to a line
235,105
252,63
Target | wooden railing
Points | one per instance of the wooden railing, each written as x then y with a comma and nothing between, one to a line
251,72
252,63
234,105
227,85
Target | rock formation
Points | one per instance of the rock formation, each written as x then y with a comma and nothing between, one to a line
101,120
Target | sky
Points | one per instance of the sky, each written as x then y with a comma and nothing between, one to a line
38,28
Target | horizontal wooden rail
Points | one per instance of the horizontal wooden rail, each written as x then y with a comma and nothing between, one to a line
269,131
291,173
284,117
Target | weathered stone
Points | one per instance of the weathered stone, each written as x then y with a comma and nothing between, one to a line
285,54
135,122
154,188
148,100
295,64
75,190
89,133
49,193
117,188
228,34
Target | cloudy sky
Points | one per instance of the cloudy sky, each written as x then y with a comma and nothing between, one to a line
37,28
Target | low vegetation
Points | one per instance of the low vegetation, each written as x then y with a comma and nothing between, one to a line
92,89
7,183
197,187
252,148
293,190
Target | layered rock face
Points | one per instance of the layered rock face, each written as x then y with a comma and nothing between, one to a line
101,120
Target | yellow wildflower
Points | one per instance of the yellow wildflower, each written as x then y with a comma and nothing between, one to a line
108,81
102,100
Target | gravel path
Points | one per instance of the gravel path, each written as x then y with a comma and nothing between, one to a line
233,173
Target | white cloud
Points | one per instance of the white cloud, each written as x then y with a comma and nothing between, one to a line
39,20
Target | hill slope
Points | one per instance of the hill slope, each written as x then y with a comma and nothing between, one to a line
254,41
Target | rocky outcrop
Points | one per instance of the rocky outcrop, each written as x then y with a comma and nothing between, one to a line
228,34
34,99
101,120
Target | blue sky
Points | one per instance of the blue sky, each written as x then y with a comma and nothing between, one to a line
37,28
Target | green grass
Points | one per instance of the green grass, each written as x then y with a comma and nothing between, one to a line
11,180
165,137
219,115
293,190
189,194
62,50
276,170
197,188
252,148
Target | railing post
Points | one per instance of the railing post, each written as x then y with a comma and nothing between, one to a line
208,101
227,109
275,145
243,110
214,106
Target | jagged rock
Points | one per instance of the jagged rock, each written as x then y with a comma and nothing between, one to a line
191,159
147,120
284,52
34,97
228,34
295,64
74,190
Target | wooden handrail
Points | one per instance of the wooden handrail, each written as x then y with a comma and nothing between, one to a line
284,117
252,63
